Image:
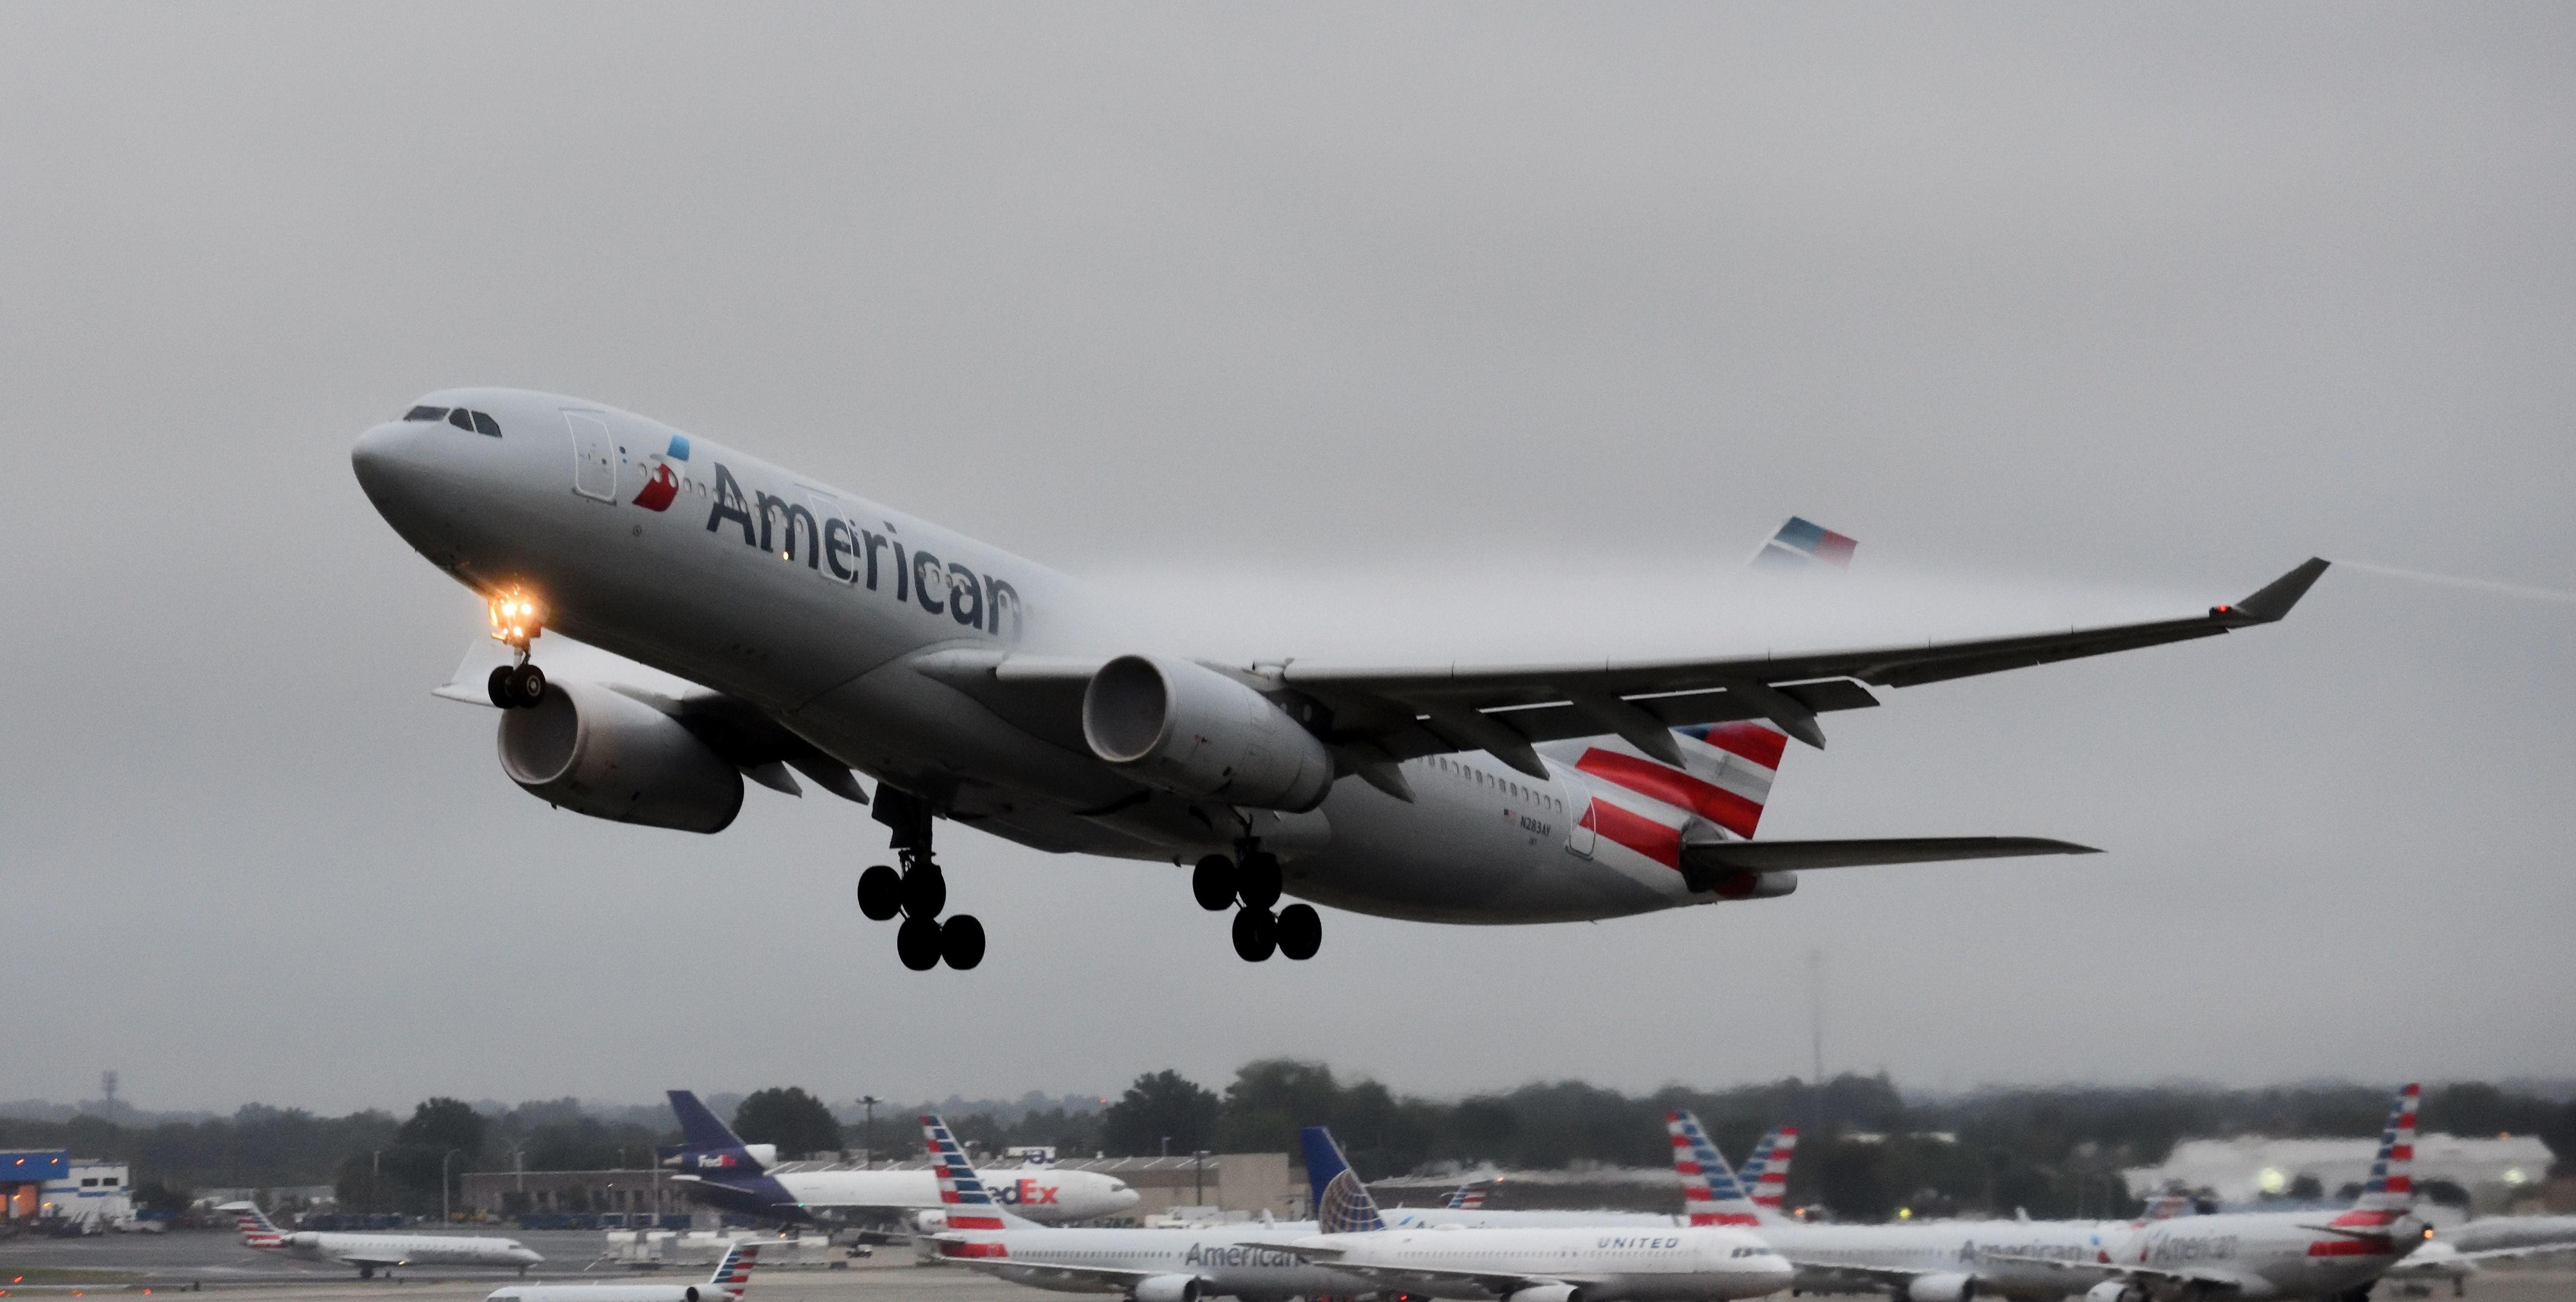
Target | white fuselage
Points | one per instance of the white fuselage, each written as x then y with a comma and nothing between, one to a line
819,623
408,1249
2267,1254
1216,1256
1045,1194
611,1293
1682,1264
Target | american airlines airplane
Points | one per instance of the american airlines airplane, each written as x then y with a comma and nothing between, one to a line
1147,1265
715,1165
732,1275
2192,1259
373,1252
1606,1263
807,630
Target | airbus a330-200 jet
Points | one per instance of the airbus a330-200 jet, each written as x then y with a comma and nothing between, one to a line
819,633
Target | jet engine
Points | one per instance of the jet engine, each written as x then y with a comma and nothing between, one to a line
597,752
2114,1290
1167,1288
1941,1288
1186,728
1547,1293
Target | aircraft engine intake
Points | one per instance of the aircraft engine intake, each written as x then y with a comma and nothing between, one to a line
1186,728
690,1294
1167,1288
598,752
1547,1293
1741,885
2113,1290
1950,1287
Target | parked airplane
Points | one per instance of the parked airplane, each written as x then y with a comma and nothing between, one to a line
1148,1265
2441,1261
371,1252
956,675
2253,1255
1603,1263
1765,1176
717,1166
732,1275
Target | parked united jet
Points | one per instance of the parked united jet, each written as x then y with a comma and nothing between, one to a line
817,632
371,1252
719,1168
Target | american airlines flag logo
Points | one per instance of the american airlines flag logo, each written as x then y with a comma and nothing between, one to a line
1725,781
971,1205
1766,1173
1709,1191
2390,1191
734,1273
256,1231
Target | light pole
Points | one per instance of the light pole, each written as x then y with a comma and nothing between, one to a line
376,1180
1198,1178
868,1131
1167,1145
443,1159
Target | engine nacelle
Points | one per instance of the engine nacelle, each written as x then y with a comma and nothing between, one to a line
1547,1293
1167,1288
689,1294
1738,884
2114,1290
1950,1287
1186,728
597,752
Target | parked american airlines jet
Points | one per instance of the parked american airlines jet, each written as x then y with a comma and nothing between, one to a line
732,1275
823,633
371,1252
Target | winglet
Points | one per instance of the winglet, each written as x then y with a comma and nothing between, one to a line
2276,597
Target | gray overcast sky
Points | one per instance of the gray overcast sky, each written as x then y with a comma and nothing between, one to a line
2155,299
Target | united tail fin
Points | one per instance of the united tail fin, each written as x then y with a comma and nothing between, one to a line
1803,545
962,1195
733,1274
256,1229
1342,1203
1710,1194
2390,1191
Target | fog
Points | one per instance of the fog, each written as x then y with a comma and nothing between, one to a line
1468,332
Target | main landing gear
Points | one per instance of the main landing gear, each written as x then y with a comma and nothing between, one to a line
1219,882
516,620
918,892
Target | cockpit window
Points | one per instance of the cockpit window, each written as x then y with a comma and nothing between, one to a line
486,425
426,413
461,419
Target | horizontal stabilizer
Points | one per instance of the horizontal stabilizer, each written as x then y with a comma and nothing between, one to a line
1787,856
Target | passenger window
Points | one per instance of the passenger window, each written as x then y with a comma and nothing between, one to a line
486,425
461,420
426,413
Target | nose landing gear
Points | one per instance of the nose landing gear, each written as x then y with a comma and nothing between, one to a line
517,621
1219,883
918,892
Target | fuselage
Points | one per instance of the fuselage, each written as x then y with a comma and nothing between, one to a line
817,605
1218,1257
408,1249
1039,1193
1683,1264
2270,1254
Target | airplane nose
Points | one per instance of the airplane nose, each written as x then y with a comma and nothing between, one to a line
376,453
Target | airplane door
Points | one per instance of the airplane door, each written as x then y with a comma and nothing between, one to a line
827,508
1582,832
594,469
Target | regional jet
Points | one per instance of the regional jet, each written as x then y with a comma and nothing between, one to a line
373,1252
732,1276
799,629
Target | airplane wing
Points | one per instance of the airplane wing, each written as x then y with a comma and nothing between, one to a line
1382,715
2207,1280
1777,856
1052,1275
2527,1250
1497,1283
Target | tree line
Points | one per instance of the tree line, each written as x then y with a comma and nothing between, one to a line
1868,1148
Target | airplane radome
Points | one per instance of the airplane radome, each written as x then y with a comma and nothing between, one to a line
826,635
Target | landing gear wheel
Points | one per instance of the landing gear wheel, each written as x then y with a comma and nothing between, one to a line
1259,884
880,893
1300,933
925,892
917,943
1213,883
499,685
524,686
961,941
1255,935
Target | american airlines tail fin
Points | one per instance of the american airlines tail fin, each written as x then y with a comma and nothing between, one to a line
2390,1191
1710,1194
1342,1203
709,1145
256,1229
1803,545
1467,1197
962,1195
733,1274
1765,1175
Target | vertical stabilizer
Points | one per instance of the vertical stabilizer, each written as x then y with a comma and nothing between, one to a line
969,1205
2390,1191
1765,1175
733,1274
1803,545
1710,1194
256,1229
1342,1203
